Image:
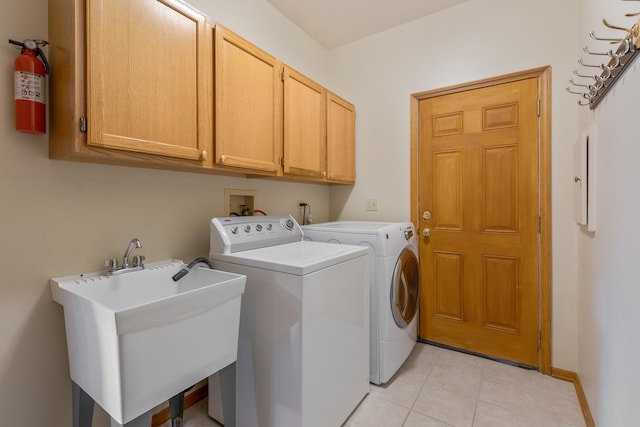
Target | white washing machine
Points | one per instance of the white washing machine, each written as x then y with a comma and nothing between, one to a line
394,286
304,323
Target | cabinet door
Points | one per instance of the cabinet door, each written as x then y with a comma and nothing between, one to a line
304,126
341,140
148,72
248,105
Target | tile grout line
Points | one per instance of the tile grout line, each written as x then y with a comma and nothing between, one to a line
424,383
426,377
475,409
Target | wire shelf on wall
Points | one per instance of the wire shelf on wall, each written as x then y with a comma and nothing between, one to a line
607,71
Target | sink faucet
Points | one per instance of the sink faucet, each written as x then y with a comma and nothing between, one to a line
134,243
112,264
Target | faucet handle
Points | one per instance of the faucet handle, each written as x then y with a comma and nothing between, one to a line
138,261
111,264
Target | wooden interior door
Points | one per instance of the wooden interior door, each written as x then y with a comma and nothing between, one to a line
479,200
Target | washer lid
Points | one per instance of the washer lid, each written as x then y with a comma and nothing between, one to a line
298,258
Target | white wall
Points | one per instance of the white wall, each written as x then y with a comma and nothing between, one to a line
474,40
59,218
267,28
608,280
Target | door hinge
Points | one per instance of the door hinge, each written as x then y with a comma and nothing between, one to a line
539,224
538,107
83,124
282,75
281,161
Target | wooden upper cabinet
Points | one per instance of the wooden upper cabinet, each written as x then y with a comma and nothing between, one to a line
341,134
248,105
155,83
304,125
149,76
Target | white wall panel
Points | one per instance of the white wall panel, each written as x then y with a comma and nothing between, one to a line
608,280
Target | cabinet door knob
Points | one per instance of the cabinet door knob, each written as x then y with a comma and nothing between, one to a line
204,154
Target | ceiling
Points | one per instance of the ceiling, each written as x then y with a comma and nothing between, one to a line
334,23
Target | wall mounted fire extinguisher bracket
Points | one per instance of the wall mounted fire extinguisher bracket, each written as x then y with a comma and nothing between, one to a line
30,68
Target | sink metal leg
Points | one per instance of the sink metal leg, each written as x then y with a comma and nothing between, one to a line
82,406
176,407
143,420
227,377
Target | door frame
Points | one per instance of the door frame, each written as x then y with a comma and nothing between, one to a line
543,75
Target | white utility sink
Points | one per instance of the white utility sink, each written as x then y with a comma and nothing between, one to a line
137,339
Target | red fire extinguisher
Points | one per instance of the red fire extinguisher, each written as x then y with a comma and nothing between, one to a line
29,86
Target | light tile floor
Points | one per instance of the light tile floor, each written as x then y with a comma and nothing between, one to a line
441,388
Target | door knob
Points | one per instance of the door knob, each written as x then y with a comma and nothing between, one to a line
426,215
426,232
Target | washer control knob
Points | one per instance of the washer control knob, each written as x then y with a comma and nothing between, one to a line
259,227
234,229
288,224
247,228
269,227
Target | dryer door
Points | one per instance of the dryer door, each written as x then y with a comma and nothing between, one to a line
405,286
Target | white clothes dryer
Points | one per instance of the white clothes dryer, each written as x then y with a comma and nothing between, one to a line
394,287
304,323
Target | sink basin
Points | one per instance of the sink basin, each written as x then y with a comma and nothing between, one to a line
136,339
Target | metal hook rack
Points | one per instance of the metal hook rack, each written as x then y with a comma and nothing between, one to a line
628,48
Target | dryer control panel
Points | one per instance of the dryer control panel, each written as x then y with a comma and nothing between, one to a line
241,233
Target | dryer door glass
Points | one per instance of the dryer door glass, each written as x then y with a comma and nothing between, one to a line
405,286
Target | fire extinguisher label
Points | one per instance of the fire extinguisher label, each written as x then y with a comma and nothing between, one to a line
28,86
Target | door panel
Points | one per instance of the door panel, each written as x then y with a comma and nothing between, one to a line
447,124
501,294
448,285
500,116
500,188
478,173
447,182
